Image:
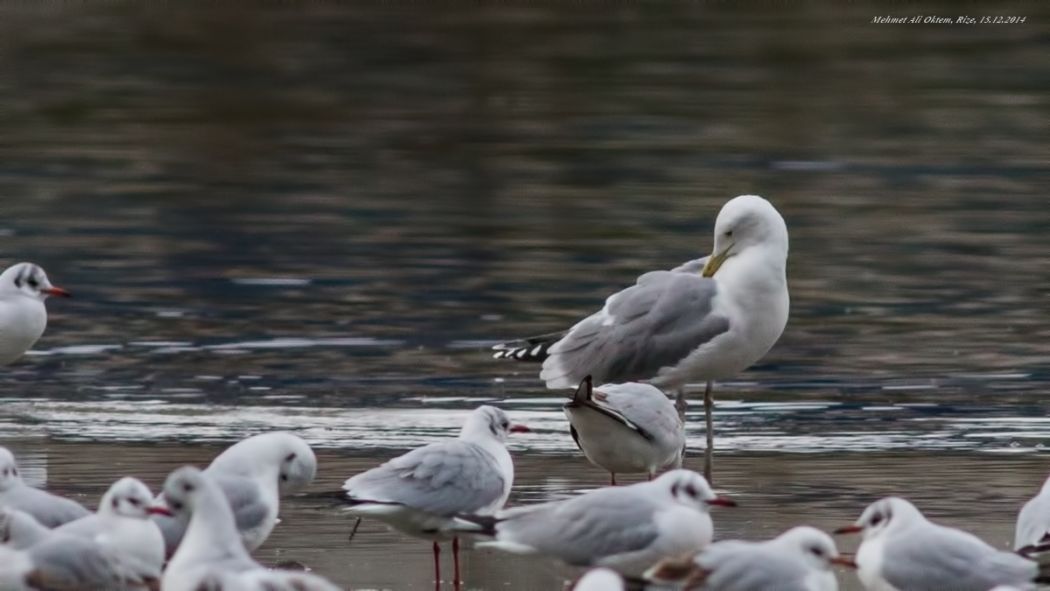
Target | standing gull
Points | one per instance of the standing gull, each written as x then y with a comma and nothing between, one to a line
626,528
673,327
903,550
421,492
626,428
50,510
252,473
23,317
800,559
212,556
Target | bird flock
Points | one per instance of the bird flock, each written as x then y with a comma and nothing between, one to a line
702,321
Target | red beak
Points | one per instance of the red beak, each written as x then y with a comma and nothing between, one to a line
158,510
57,291
849,529
844,560
722,502
519,429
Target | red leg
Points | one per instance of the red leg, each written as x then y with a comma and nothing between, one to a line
437,564
650,477
612,478
455,560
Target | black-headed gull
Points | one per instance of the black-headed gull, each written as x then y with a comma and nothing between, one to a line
676,327
49,509
626,428
212,556
1033,521
626,528
800,559
253,473
421,492
123,523
68,563
902,550
23,317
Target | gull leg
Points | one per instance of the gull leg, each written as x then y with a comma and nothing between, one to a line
437,566
455,561
709,453
650,477
681,404
612,478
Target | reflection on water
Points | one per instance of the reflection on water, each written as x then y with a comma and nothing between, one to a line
318,217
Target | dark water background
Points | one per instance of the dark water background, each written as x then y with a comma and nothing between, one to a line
317,217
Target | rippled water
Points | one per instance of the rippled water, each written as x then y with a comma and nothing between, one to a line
319,218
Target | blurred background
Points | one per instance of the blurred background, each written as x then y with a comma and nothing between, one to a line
319,217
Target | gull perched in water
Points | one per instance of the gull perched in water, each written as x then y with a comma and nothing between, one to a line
50,510
421,492
212,556
253,474
23,317
1033,522
626,528
903,550
674,327
799,559
626,428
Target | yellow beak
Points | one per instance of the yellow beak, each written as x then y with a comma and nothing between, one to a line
714,262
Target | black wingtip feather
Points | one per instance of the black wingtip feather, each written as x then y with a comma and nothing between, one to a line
487,523
532,349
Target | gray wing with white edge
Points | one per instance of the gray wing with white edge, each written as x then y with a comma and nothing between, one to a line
584,529
249,508
934,558
651,325
646,407
443,478
741,566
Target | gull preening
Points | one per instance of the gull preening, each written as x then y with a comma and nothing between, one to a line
626,528
903,550
49,509
212,555
253,474
421,492
23,317
800,559
674,327
626,428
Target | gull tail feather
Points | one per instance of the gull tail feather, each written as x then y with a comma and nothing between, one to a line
529,349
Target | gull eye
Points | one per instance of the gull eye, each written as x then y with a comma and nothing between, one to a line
289,457
505,425
817,550
691,491
729,233
284,477
33,282
876,519
175,505
187,487
134,502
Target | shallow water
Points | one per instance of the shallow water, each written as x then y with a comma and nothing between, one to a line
319,218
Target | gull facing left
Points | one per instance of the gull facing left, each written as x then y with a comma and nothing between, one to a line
23,317
421,492
212,556
902,550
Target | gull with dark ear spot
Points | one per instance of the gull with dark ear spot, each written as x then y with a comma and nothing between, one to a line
904,550
49,509
625,528
673,328
253,474
800,559
421,492
123,523
626,428
212,556
23,317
